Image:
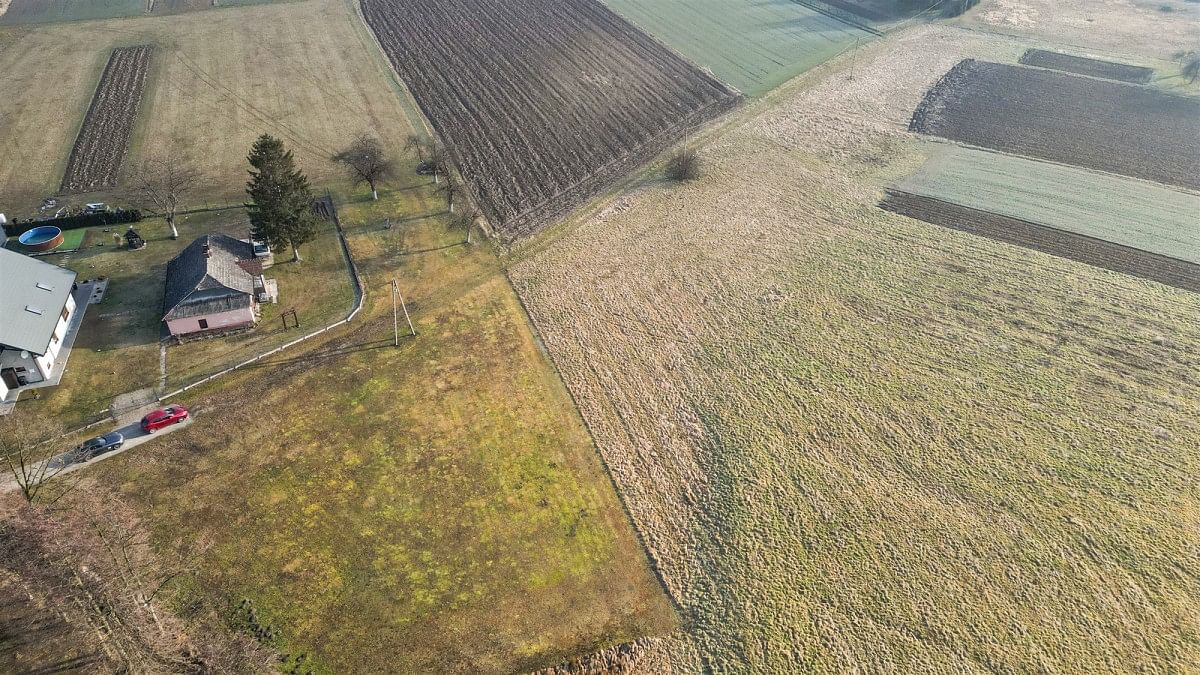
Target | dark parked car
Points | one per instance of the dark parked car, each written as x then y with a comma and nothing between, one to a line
163,417
98,446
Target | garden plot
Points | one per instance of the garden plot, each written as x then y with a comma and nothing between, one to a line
1110,126
571,97
1080,65
753,46
103,139
1129,212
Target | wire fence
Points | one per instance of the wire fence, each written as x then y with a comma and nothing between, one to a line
327,206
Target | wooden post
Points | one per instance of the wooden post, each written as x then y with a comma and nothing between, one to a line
398,294
395,319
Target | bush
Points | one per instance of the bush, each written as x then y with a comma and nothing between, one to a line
683,165
118,217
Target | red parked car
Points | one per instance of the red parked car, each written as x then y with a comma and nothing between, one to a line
163,417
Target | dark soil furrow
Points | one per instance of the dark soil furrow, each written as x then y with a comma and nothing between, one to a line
100,147
1077,247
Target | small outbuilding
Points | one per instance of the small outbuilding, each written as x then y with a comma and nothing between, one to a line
213,285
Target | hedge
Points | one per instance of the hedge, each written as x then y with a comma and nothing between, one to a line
118,217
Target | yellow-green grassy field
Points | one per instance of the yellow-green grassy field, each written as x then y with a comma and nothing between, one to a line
307,72
858,442
432,507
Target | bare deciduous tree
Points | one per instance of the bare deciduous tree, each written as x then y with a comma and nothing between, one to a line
24,452
465,219
1191,66
97,568
683,165
451,189
367,162
161,184
436,154
417,144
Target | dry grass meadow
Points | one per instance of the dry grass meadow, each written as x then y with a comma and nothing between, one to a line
307,72
857,442
432,507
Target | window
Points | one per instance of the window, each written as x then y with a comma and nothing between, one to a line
65,313
203,323
54,339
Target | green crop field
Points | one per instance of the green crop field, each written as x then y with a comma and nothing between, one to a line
49,11
754,46
1125,211
45,11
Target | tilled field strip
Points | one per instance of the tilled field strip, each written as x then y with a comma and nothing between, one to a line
539,100
1077,247
1124,211
104,136
1080,65
1115,127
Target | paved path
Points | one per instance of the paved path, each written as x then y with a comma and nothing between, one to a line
62,464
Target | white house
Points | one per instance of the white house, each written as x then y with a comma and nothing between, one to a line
36,307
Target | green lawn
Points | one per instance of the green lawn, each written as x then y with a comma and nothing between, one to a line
1125,211
751,44
318,288
72,239
432,507
117,350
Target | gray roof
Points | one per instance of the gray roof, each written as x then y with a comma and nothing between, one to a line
32,296
206,277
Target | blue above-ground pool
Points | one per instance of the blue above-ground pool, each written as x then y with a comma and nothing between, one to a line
42,238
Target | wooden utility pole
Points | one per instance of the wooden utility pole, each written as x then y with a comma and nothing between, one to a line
396,295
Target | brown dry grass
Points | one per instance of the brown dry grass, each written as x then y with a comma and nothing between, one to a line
307,72
854,441
1119,26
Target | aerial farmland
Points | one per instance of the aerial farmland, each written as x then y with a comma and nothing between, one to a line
900,375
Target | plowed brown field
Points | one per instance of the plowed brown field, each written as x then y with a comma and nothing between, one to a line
1110,126
542,103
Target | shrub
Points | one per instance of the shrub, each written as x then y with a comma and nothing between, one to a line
683,165
118,217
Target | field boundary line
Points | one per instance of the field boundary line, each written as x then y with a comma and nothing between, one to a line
655,565
359,300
